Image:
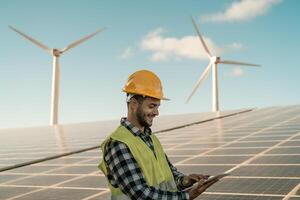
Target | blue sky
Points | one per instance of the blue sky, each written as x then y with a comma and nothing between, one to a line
154,35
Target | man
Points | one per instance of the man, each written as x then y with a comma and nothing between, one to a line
133,159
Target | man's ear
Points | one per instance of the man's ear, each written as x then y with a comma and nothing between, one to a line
133,104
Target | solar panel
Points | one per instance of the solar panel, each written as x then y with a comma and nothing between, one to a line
72,177
260,149
255,186
238,197
23,146
277,159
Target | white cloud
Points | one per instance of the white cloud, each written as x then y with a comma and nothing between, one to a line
242,10
158,56
236,72
164,48
126,53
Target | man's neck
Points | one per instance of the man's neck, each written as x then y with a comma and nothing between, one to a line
135,122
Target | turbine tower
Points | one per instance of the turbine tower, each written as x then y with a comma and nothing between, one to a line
56,68
214,61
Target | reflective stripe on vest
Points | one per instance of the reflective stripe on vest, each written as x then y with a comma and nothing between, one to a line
156,170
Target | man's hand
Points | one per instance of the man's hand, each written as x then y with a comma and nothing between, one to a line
193,178
201,187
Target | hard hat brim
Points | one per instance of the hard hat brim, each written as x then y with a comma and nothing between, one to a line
165,99
160,98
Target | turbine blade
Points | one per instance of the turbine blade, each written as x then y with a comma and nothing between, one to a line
31,39
201,38
200,80
74,44
237,63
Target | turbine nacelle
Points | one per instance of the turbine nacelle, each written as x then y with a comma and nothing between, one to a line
56,52
215,59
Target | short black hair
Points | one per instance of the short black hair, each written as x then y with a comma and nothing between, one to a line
138,97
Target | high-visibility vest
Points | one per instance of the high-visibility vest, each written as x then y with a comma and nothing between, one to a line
156,170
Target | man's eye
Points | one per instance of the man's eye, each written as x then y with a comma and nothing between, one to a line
151,106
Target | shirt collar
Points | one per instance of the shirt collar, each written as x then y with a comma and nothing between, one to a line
133,129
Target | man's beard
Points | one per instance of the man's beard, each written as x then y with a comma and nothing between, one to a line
141,118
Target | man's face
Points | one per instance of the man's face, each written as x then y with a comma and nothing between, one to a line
147,110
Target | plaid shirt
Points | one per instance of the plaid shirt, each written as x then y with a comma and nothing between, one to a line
125,173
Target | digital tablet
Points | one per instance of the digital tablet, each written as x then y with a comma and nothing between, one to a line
209,180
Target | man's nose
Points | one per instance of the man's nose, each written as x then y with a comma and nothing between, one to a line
156,112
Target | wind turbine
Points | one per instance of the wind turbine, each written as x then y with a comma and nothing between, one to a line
214,61
56,68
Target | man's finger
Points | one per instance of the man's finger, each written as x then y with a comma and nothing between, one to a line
198,176
200,183
204,186
202,176
206,176
194,177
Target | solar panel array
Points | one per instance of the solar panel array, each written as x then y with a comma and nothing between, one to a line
261,150
23,146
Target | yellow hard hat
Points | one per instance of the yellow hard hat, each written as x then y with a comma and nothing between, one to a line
144,83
